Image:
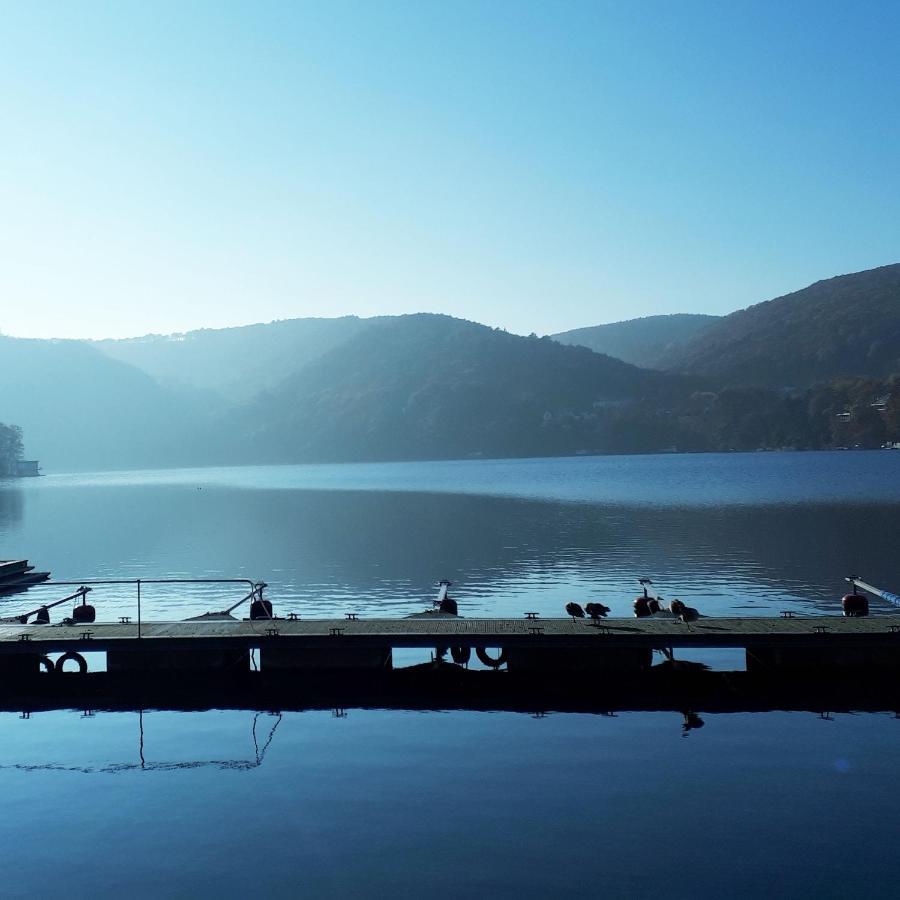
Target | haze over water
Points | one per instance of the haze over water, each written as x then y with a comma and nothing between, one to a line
450,803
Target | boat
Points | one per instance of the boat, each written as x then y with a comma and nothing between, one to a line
17,575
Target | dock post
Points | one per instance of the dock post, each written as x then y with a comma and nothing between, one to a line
139,607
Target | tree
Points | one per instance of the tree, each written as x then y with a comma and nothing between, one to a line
11,448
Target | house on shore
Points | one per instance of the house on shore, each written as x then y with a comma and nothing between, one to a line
27,468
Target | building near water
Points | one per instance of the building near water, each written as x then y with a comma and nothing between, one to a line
27,468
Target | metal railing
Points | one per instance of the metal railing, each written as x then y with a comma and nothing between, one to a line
86,585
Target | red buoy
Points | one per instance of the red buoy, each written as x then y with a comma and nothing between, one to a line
84,613
855,605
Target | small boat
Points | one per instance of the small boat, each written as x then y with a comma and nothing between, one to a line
17,575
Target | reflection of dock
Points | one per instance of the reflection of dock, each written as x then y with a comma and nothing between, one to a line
450,687
527,645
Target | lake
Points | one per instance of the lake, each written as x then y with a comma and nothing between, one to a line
447,803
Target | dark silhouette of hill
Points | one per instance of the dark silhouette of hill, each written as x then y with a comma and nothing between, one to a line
79,409
642,342
843,326
431,386
234,363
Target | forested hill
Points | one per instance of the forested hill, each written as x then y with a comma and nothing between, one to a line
843,326
79,409
645,342
430,386
233,363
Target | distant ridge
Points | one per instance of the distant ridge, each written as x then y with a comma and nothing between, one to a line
235,363
843,326
816,368
644,342
80,409
431,386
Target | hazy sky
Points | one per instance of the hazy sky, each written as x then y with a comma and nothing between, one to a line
537,166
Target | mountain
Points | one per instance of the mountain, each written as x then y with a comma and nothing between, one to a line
79,409
642,342
431,386
843,326
233,363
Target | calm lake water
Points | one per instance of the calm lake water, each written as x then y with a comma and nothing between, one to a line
395,803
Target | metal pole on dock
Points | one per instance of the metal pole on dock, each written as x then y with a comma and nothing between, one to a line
139,606
890,596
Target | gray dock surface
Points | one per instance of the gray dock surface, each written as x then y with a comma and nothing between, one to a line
797,631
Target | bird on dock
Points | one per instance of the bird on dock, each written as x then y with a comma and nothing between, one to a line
683,612
575,611
596,610
654,606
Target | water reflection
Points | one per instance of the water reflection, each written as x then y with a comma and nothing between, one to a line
10,506
326,553
396,803
393,795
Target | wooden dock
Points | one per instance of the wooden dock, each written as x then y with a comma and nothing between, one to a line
806,631
526,642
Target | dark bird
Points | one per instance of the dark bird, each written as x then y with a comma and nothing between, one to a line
654,606
676,607
575,611
689,614
596,610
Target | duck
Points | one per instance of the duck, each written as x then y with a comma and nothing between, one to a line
596,610
689,614
676,607
575,611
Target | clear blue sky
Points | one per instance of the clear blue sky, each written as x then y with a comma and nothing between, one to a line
537,166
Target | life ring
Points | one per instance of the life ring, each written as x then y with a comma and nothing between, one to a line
489,661
461,655
45,663
77,658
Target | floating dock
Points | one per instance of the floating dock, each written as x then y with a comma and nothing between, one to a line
530,644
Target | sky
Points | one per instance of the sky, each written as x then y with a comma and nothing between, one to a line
533,166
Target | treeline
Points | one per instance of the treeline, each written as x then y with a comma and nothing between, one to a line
846,412
11,448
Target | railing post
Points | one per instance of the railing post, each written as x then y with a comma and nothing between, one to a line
139,606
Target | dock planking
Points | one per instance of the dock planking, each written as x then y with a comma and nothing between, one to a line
319,634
